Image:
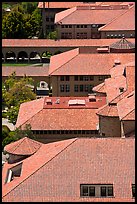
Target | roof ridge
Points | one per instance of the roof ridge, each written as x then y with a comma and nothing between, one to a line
67,61
73,10
115,19
31,117
41,166
19,143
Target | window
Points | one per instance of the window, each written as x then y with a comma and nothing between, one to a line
100,78
106,191
96,190
14,172
85,26
133,190
76,78
67,88
61,78
86,78
62,88
86,88
81,88
67,78
78,26
81,78
75,88
87,190
91,78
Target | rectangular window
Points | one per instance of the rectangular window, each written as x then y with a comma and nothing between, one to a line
106,191
87,190
61,78
62,88
76,78
86,78
100,78
85,26
86,88
81,88
133,190
75,88
91,78
81,78
67,88
78,26
67,78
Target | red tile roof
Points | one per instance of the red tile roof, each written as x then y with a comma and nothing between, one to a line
113,85
126,107
25,70
24,146
99,88
77,15
55,117
108,110
58,43
125,21
62,4
56,170
87,63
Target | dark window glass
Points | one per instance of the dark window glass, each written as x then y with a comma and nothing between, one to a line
67,88
61,78
103,191
91,78
67,78
81,78
92,191
81,88
62,88
75,88
110,191
84,190
133,190
76,78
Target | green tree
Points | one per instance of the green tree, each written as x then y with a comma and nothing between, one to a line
52,35
15,93
12,136
23,21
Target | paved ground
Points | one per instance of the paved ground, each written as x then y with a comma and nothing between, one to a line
10,125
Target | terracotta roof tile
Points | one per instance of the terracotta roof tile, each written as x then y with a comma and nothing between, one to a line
58,43
113,85
126,107
56,170
27,70
55,116
99,88
24,146
62,4
36,106
87,63
93,16
122,44
108,110
119,22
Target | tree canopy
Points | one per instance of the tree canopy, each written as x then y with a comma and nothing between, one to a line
16,91
23,21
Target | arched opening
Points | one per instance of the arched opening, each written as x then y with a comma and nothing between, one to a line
10,57
46,57
22,56
35,57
